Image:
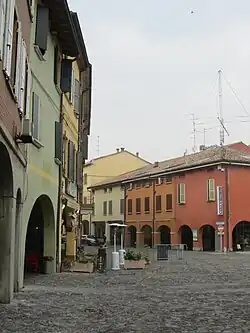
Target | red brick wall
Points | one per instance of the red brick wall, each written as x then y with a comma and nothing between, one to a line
8,108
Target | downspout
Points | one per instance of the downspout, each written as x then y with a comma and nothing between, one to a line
227,207
153,215
125,215
59,213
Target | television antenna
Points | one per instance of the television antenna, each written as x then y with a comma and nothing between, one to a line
220,116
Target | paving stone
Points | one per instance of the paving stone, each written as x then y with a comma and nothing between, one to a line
202,293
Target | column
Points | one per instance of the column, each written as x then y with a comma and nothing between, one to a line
7,249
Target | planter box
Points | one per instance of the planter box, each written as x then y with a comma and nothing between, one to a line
83,268
134,264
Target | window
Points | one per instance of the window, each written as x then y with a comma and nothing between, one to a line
168,179
110,189
147,204
105,190
85,200
211,189
7,11
85,179
169,203
36,109
65,145
71,161
181,194
129,206
138,205
66,75
3,11
77,104
138,185
122,206
147,184
58,140
110,207
56,65
158,203
158,181
17,42
104,208
42,28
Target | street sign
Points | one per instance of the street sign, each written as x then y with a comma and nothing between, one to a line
220,223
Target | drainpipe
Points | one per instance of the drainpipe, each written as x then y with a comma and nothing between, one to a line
227,215
153,217
59,213
124,214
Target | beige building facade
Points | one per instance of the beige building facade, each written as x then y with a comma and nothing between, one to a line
97,171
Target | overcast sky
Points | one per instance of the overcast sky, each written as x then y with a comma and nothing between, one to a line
155,63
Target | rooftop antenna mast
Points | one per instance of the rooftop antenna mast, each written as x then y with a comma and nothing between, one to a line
98,146
194,131
220,117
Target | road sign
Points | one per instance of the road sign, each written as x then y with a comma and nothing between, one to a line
220,223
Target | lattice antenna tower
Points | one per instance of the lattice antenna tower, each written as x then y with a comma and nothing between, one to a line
194,131
98,146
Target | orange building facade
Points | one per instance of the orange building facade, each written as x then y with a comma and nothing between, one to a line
205,207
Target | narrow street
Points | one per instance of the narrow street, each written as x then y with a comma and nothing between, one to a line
205,292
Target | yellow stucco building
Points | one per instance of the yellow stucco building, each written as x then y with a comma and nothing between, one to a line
96,171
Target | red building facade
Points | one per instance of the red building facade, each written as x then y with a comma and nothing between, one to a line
210,201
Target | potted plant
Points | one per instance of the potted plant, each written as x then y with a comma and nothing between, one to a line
85,263
133,260
48,264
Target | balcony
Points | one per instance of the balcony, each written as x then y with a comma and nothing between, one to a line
88,205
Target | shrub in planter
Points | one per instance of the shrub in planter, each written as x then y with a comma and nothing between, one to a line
134,260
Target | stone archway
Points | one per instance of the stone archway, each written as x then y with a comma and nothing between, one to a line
147,235
186,237
17,239
132,236
165,234
208,237
41,237
7,225
241,236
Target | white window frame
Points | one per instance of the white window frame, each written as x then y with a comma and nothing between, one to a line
8,37
181,191
3,12
211,189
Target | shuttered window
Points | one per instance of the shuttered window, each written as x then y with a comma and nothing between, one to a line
147,204
138,205
8,40
36,109
211,189
130,206
105,208
110,207
58,141
22,75
71,161
181,194
169,203
42,28
28,89
77,97
18,68
72,90
84,147
3,7
158,203
66,75
122,206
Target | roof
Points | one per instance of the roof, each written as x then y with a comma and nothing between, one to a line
200,159
61,22
113,154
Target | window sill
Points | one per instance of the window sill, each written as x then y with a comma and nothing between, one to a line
57,161
147,212
39,53
158,211
181,203
212,200
138,213
37,143
169,210
129,213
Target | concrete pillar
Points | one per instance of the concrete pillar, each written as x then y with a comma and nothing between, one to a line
157,237
139,238
7,249
71,245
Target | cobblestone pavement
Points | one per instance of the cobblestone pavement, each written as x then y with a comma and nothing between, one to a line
202,293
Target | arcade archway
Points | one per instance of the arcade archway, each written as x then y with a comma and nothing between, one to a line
165,234
40,238
186,237
132,236
6,208
147,235
208,238
241,236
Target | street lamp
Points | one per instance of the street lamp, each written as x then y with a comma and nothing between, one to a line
117,257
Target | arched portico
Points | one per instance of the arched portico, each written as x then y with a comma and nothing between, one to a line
131,236
241,236
7,226
165,234
208,237
186,237
41,238
147,235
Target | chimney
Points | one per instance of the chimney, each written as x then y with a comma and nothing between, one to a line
117,150
137,154
202,147
122,149
156,164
